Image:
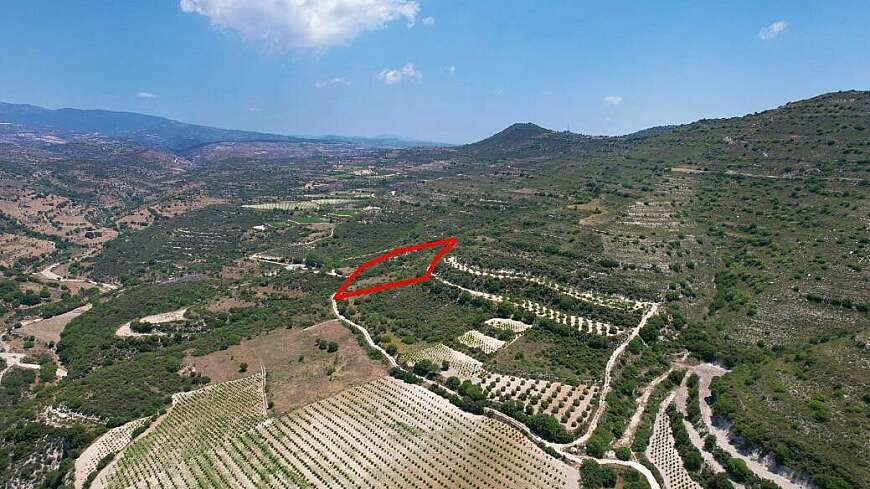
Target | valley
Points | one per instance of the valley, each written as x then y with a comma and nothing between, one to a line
680,308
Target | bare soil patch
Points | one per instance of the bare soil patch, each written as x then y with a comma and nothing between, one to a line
228,304
48,330
139,218
294,383
178,207
14,247
237,269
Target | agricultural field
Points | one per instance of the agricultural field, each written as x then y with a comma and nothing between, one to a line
14,247
301,365
197,421
476,340
458,363
48,330
511,325
321,445
570,404
105,447
305,205
662,453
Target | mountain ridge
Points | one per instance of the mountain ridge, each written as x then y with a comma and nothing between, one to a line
168,134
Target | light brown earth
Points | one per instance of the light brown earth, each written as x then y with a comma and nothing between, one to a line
16,246
293,384
178,207
139,218
237,269
48,330
53,215
227,304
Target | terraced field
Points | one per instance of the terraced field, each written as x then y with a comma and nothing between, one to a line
304,205
479,341
511,325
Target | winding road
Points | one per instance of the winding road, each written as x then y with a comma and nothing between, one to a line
561,447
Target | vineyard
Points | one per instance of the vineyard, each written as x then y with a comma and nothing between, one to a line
305,205
663,454
479,341
111,442
382,434
511,325
169,453
461,364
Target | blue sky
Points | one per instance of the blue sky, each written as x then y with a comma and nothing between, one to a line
439,70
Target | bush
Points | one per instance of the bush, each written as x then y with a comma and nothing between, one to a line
595,476
737,469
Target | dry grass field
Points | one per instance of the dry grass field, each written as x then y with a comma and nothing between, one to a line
48,330
14,247
299,373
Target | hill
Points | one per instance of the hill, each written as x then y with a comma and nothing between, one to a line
522,139
587,268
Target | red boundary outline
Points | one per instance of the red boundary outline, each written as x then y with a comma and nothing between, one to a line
447,244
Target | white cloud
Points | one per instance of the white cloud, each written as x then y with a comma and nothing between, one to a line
772,30
612,99
253,109
335,82
428,20
391,77
284,24
146,95
449,70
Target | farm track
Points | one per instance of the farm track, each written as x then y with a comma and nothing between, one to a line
663,453
627,437
523,429
681,402
48,274
581,323
612,302
579,459
706,373
608,370
365,333
13,360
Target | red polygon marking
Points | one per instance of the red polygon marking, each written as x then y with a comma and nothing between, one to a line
447,245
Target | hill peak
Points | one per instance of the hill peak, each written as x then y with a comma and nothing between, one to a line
522,129
522,137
